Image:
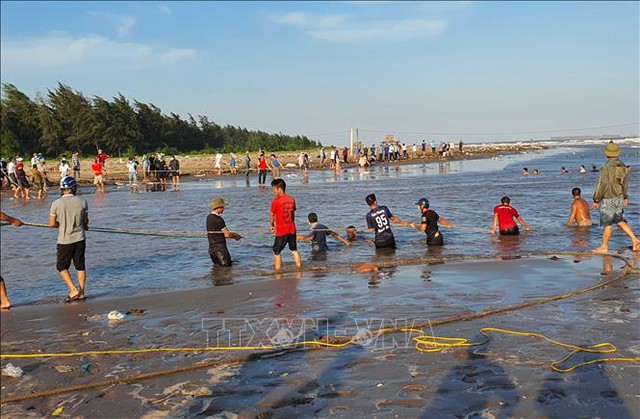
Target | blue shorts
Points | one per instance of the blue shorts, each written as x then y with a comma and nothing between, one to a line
611,211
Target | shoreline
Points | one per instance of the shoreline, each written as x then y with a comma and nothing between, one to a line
201,166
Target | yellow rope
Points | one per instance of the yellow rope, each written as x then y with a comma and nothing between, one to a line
424,342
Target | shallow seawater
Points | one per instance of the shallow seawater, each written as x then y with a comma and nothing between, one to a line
463,192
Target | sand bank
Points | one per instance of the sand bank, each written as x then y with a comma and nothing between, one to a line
508,376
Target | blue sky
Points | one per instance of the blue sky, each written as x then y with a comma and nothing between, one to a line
480,71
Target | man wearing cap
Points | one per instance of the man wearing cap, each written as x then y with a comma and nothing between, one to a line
429,223
611,196
217,233
70,215
379,221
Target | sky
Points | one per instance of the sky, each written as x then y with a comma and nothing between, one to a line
476,71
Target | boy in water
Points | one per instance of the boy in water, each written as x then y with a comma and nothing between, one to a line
429,223
353,236
579,210
319,233
503,217
282,222
378,221
217,233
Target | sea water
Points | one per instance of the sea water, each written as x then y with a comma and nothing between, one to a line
463,191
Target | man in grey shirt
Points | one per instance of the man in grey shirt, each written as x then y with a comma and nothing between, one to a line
70,215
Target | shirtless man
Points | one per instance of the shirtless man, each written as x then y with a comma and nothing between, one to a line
579,210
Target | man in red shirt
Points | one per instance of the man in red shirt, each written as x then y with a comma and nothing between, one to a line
503,216
102,157
282,222
262,169
97,174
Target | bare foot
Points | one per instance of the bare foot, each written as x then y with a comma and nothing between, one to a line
6,306
636,246
600,250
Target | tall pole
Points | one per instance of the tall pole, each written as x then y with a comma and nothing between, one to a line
351,149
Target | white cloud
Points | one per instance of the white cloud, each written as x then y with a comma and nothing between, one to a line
82,54
122,24
344,28
382,30
164,9
304,19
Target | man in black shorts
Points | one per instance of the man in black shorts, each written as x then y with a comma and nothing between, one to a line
379,221
429,223
217,233
70,215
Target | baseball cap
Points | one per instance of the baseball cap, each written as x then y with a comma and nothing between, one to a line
218,202
423,201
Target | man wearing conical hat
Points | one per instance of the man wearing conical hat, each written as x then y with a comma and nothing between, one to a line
611,196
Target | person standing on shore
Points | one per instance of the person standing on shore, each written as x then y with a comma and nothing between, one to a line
503,218
218,163
579,210
70,215
233,163
5,304
379,221
247,163
75,162
429,223
275,166
262,169
64,168
217,233
611,196
282,223
174,167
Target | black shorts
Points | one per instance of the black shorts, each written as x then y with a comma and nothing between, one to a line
437,240
220,255
281,241
68,252
510,232
389,243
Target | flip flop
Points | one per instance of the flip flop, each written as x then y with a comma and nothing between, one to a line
69,299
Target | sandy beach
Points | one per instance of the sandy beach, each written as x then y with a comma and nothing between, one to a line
384,376
203,165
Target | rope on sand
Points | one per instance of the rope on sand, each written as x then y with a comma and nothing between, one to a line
424,343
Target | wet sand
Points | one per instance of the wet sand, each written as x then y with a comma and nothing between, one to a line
385,376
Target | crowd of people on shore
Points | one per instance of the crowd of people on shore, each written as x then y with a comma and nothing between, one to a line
70,215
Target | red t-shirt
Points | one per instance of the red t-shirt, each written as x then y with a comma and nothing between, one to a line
506,214
284,208
262,163
97,168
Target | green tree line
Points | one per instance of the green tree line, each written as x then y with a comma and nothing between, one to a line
64,120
